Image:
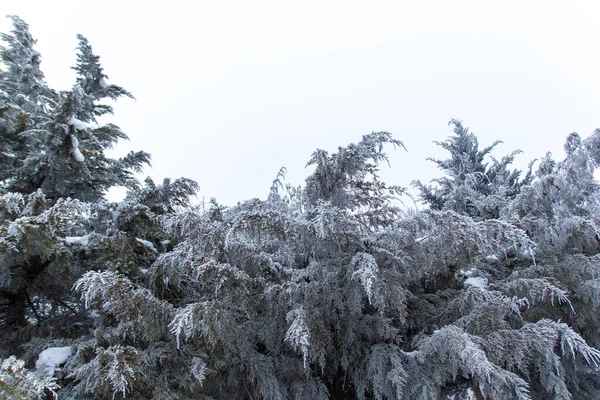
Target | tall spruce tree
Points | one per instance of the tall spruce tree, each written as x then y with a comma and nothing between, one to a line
54,174
24,95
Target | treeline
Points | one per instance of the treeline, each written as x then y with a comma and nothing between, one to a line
326,290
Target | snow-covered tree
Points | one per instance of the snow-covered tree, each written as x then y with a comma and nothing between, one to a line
472,185
66,151
300,296
54,173
25,98
325,290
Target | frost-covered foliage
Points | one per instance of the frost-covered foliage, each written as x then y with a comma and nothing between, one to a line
326,290
54,223
36,271
301,296
54,142
17,382
472,185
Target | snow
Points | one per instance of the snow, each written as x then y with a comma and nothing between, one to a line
77,124
75,149
12,202
492,258
147,244
466,272
468,394
49,359
419,240
103,83
144,270
82,240
476,282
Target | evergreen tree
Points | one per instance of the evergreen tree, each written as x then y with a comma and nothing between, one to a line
296,297
326,290
66,153
472,186
54,164
24,97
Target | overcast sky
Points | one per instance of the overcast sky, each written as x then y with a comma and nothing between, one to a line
230,91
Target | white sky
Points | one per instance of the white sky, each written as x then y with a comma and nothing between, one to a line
229,91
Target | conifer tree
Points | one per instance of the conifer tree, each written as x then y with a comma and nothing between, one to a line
24,96
472,186
301,297
325,290
54,165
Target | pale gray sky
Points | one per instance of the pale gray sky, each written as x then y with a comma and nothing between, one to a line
229,91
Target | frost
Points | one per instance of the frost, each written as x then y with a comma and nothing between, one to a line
13,203
113,370
94,285
147,244
103,83
298,334
17,382
419,240
198,369
476,282
470,394
75,149
366,271
81,240
183,322
77,124
49,359
144,270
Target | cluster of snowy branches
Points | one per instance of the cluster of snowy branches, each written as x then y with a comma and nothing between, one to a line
326,290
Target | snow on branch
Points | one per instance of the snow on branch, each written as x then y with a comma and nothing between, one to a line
12,203
198,369
538,290
298,334
147,244
452,352
49,360
75,149
386,371
77,124
476,281
112,371
184,322
367,272
94,285
17,382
